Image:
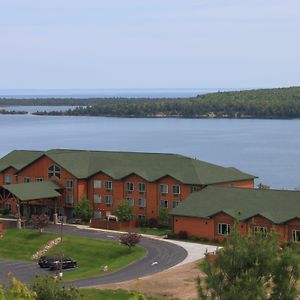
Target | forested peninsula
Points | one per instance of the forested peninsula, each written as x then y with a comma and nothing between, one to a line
260,103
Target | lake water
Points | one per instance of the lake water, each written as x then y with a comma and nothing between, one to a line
269,149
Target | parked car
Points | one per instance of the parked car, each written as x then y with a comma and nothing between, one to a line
66,262
44,261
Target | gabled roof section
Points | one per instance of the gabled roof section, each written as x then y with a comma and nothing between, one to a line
278,206
150,166
34,190
19,159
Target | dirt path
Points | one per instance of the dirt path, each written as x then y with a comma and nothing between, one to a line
177,282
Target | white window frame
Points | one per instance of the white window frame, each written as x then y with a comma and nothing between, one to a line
68,199
70,184
110,202
163,188
294,235
177,187
7,178
260,229
129,186
108,185
130,201
97,184
97,198
175,203
26,179
142,184
164,203
227,228
8,206
56,171
142,202
97,214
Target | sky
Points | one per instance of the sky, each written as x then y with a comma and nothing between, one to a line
86,44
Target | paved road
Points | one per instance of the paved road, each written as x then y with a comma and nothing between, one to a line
160,255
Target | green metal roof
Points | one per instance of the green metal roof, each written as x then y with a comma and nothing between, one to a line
18,159
278,206
150,166
33,190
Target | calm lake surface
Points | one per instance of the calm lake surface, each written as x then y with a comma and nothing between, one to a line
269,149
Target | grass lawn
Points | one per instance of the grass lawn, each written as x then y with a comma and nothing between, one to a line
90,254
94,294
152,231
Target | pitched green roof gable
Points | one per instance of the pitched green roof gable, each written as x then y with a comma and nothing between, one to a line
19,159
150,166
278,206
34,190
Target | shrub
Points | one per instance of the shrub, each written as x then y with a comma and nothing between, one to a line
84,210
152,223
124,211
40,221
130,239
4,211
183,235
49,288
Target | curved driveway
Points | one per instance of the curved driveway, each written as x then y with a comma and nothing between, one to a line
160,255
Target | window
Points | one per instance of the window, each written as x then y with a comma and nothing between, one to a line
176,189
142,202
129,186
163,188
130,201
70,199
26,179
142,218
296,236
69,184
54,170
175,203
39,179
97,214
108,185
260,229
142,187
97,184
164,203
223,229
195,188
108,200
7,179
97,198
7,206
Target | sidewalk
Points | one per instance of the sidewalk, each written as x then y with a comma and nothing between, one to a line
195,251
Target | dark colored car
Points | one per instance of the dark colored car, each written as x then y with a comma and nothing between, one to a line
44,261
65,263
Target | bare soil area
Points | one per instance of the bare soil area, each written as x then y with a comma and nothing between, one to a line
178,282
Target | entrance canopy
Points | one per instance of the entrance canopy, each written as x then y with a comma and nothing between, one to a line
34,190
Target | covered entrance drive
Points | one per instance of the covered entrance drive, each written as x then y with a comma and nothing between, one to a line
26,199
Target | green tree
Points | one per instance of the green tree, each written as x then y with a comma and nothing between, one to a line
253,267
163,216
17,291
124,211
50,288
83,210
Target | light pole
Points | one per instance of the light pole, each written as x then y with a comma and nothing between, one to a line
61,246
19,225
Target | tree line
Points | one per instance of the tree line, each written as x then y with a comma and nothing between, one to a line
261,103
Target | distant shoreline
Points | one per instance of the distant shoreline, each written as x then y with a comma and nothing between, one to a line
280,103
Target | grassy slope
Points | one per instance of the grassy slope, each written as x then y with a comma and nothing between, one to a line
90,254
94,294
